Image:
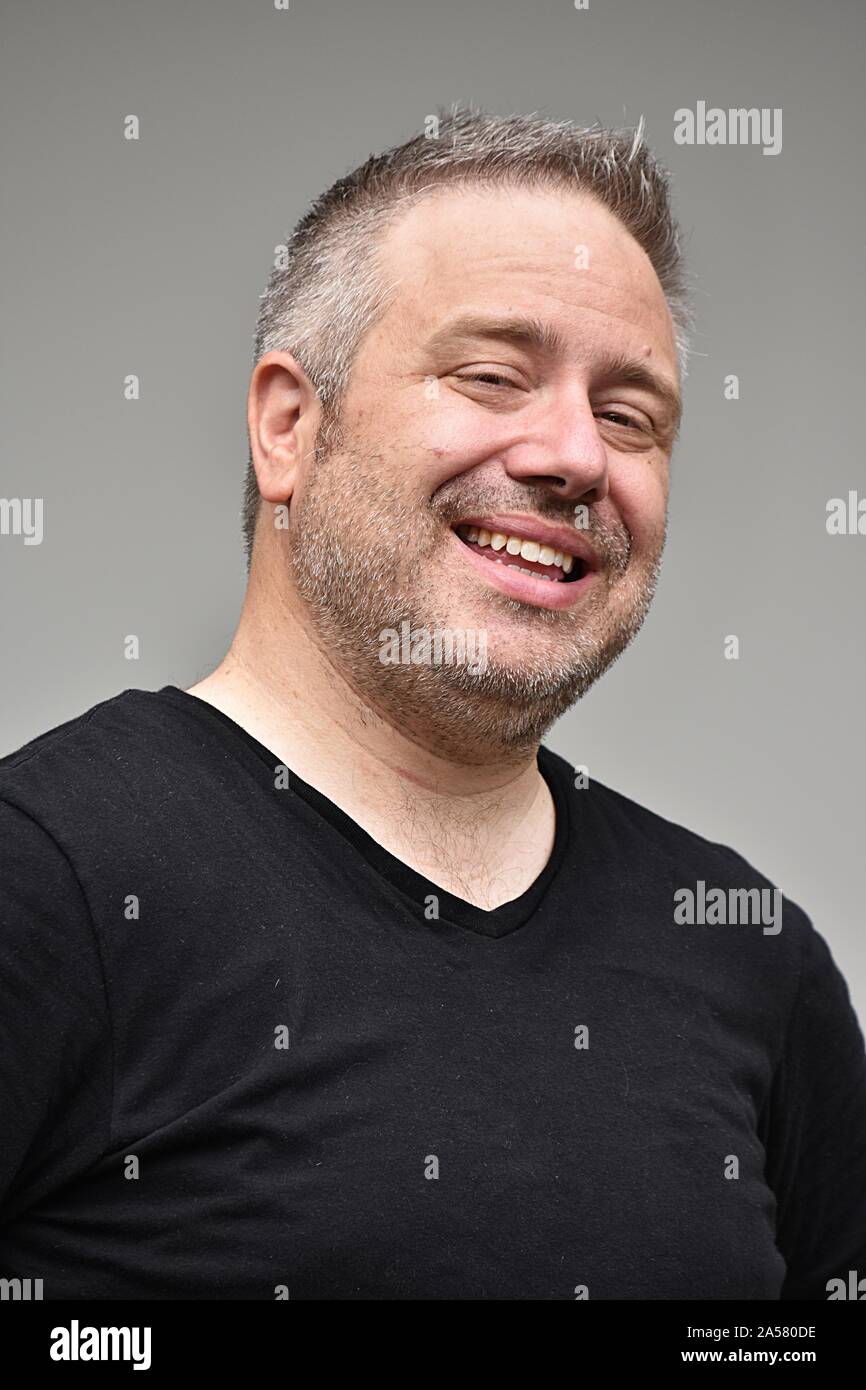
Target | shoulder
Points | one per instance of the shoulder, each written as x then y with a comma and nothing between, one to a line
111,721
90,768
670,865
619,814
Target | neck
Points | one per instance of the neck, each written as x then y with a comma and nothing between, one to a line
481,826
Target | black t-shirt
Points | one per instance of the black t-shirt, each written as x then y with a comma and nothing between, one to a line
247,1053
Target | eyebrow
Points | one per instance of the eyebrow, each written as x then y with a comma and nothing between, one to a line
533,333
525,332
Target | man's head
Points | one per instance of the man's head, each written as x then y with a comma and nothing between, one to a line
476,336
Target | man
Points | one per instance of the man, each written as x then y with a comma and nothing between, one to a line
321,979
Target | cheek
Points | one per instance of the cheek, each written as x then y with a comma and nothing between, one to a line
638,490
450,438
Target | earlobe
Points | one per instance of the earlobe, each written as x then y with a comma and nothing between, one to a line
275,471
277,421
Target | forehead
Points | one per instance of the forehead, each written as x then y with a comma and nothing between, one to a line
550,252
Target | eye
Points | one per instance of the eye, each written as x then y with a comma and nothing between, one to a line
618,418
492,379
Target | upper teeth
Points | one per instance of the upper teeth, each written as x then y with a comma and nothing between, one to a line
516,545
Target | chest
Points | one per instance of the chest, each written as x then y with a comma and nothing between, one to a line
351,1122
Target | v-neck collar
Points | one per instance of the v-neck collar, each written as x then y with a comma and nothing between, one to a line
498,922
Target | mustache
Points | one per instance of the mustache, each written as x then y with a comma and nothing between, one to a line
610,538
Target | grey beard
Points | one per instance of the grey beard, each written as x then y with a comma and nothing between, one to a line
358,585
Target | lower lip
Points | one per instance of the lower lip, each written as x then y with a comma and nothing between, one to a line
523,586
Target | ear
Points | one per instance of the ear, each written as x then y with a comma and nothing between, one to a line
283,415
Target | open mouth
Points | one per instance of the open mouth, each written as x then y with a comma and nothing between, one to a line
543,562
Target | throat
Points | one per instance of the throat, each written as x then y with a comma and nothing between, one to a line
488,859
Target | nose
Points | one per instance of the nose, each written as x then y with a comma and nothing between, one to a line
565,451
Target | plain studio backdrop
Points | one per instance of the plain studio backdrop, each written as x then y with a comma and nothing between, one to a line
147,257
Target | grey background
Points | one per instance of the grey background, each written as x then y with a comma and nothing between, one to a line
148,257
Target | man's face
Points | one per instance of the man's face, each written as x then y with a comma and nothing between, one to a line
456,428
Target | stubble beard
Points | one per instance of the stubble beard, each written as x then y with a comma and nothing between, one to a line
357,555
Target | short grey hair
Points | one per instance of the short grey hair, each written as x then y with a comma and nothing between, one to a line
327,289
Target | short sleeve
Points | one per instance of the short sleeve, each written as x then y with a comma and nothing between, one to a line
816,1132
55,1037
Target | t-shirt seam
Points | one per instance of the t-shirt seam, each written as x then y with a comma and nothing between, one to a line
734,860
49,741
663,828
22,810
790,1085
795,1004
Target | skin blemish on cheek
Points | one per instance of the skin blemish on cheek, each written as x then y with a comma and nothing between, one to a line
647,350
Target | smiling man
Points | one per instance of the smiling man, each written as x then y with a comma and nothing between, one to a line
322,978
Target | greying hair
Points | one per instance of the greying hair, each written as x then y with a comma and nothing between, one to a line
327,288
